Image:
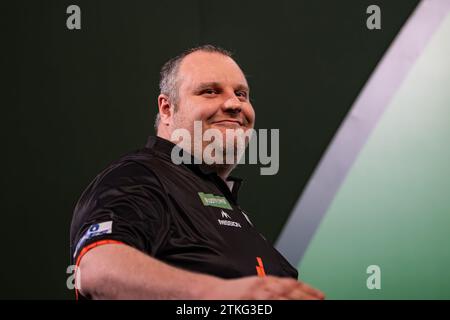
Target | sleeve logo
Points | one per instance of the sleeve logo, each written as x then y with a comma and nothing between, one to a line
94,230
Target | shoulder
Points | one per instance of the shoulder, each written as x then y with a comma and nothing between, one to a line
128,182
137,166
136,170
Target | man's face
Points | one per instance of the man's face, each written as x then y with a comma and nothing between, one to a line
213,90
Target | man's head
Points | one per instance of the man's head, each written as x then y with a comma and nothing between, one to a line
169,81
203,84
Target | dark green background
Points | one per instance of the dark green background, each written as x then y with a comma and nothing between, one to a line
75,100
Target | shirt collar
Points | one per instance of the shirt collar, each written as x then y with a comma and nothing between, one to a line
164,147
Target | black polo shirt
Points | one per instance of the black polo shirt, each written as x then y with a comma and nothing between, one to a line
184,215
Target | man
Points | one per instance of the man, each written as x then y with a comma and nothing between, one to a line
148,228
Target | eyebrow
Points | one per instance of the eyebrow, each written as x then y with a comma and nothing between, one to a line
206,85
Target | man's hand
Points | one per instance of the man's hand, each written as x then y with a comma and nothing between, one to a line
262,288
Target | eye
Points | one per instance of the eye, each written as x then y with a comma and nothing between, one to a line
209,91
242,94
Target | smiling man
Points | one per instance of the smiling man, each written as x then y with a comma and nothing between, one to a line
214,95
148,228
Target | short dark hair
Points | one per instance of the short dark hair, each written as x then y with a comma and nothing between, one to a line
168,83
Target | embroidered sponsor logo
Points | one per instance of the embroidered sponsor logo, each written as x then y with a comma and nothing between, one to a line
225,215
210,200
94,230
229,223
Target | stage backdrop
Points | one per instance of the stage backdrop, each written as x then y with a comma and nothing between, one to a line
374,220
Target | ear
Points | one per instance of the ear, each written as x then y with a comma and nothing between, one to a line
165,109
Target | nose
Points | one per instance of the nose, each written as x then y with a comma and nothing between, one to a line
232,105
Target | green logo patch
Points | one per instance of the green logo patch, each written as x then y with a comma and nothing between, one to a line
210,200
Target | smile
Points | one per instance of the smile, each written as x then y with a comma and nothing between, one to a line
228,123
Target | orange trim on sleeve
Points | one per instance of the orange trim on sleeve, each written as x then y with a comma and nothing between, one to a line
87,249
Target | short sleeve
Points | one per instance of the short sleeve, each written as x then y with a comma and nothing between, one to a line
126,204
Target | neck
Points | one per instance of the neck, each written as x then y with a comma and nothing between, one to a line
222,170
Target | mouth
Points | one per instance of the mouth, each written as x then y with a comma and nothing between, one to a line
229,122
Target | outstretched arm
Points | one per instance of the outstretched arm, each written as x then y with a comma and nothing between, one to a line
114,271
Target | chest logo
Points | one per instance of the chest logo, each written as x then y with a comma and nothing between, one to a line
225,215
228,221
210,200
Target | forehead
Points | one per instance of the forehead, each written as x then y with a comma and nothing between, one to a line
201,67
